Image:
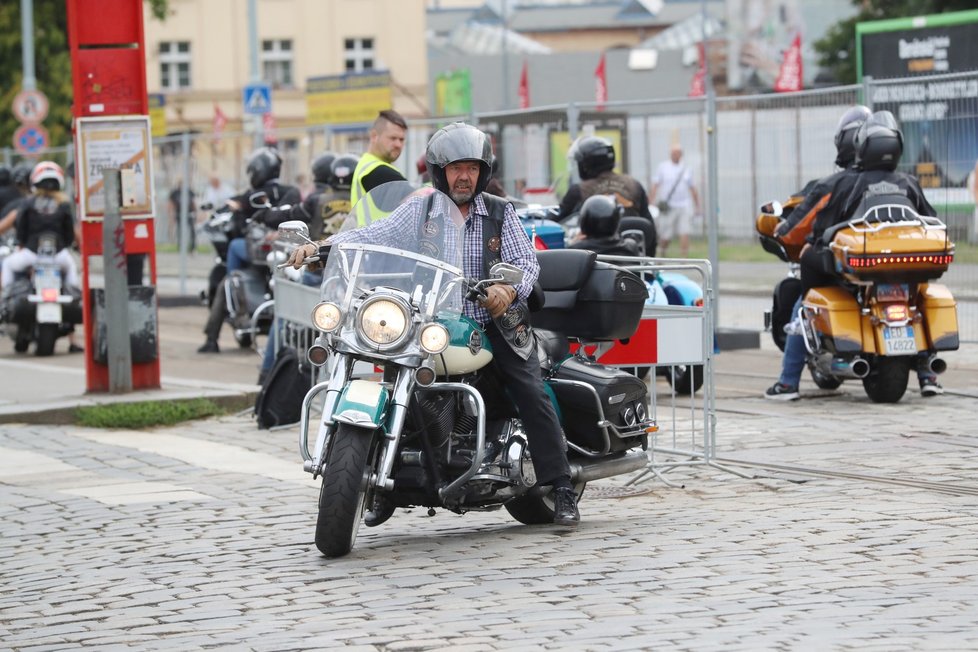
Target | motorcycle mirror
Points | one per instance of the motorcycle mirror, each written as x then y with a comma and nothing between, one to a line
506,273
772,208
294,232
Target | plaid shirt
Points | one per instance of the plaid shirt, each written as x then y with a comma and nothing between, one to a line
401,227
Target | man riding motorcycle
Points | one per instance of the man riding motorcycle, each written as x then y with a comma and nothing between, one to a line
869,147
459,158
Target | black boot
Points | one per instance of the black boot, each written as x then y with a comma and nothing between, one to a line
383,509
565,507
210,346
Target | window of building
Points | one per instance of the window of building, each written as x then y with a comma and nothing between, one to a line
174,65
358,54
276,62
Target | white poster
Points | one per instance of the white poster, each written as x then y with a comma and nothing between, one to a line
124,143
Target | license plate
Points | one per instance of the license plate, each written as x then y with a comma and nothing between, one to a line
891,292
49,313
899,340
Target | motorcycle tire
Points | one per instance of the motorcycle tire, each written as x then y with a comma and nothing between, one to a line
785,295
822,381
47,335
345,494
537,510
888,380
685,379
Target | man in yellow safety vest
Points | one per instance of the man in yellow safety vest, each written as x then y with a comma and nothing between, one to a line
386,142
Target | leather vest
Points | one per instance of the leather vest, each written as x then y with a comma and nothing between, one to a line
514,324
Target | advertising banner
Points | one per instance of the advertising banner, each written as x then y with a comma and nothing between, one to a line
938,116
121,142
344,99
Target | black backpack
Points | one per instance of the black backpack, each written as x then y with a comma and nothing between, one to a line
280,400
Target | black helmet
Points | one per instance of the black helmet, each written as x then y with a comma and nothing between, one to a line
600,215
21,175
343,168
879,143
264,164
458,142
4,175
594,155
845,132
322,168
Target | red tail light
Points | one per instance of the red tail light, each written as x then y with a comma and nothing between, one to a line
49,294
866,262
896,312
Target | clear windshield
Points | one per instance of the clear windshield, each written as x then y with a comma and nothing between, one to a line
399,237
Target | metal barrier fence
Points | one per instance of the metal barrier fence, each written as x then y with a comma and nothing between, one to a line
768,146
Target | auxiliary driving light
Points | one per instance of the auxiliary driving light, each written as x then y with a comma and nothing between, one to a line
326,316
434,338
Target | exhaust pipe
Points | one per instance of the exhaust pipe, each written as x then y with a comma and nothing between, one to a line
936,365
607,468
855,368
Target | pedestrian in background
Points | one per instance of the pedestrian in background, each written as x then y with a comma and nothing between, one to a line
187,212
674,194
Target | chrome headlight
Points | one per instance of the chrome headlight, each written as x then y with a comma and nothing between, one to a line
434,338
327,316
382,321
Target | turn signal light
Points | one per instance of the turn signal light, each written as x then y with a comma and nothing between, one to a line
864,262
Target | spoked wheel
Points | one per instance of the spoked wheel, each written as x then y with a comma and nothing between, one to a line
887,382
343,499
537,510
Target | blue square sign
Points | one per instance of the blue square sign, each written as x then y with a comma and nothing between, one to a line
257,99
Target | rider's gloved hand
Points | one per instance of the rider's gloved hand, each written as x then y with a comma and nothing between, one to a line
299,255
498,299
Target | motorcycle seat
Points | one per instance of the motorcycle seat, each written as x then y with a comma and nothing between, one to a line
551,346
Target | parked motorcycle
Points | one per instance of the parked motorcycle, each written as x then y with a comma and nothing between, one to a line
886,312
437,430
38,308
665,288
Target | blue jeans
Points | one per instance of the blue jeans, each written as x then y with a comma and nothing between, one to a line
793,361
237,254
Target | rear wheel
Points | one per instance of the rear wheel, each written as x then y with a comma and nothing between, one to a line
888,381
823,381
343,498
537,510
22,340
685,379
47,335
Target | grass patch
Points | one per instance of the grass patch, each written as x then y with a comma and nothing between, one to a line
144,414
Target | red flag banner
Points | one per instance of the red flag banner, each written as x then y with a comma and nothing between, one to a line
524,91
697,87
600,84
220,121
789,79
268,126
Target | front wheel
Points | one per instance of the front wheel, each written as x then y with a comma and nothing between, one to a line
343,498
537,510
888,381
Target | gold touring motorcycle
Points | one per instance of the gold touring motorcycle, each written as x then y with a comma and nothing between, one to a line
409,406
886,312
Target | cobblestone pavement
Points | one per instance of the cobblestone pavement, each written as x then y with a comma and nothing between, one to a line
201,536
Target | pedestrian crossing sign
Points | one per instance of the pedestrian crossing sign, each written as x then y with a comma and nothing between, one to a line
257,99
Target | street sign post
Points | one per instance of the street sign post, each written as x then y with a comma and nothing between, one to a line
30,139
257,99
30,106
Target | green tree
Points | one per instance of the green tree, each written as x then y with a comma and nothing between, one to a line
52,63
837,49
